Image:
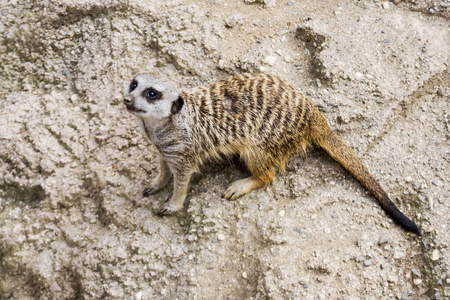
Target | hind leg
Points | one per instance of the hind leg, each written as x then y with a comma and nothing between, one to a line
262,174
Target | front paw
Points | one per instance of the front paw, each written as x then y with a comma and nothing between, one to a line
155,186
150,191
167,210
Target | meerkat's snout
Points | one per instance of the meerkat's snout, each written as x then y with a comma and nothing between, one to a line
128,101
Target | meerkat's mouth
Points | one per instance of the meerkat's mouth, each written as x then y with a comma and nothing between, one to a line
135,110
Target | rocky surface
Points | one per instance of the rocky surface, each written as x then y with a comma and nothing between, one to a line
73,164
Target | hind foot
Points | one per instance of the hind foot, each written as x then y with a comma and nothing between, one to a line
241,187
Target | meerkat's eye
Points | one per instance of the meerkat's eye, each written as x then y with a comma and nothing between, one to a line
133,85
152,94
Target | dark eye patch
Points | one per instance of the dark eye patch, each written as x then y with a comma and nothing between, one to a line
133,85
151,94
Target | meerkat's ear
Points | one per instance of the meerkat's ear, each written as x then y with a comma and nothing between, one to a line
177,105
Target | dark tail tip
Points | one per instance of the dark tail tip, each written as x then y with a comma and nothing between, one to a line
412,227
401,219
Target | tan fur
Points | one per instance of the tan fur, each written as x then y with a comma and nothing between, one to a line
260,117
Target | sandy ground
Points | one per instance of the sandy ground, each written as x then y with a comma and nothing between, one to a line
73,163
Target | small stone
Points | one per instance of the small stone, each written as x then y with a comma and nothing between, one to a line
74,97
138,295
439,282
415,272
437,296
399,255
397,2
431,202
220,237
383,239
270,3
270,60
435,255
367,262
296,229
233,20
191,238
447,280
404,296
444,5
408,179
281,213
417,281
244,275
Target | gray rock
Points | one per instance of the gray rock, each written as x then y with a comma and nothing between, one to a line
437,295
383,239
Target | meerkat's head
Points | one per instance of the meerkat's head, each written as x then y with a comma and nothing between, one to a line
153,98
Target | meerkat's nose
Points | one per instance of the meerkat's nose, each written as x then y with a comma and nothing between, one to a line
127,101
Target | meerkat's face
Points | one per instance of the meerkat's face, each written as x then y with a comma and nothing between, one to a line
153,98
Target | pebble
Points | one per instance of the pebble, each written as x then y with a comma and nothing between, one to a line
435,255
417,281
74,97
408,179
396,2
138,295
232,21
367,262
220,237
244,275
281,213
404,296
444,5
437,296
431,202
415,272
191,238
270,3
399,255
383,239
270,60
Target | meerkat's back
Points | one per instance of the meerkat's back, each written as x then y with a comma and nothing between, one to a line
248,113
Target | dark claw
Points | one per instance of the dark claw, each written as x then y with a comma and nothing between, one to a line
161,213
148,191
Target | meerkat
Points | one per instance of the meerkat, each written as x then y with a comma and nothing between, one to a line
261,118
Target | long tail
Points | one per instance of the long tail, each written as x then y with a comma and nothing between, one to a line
336,148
